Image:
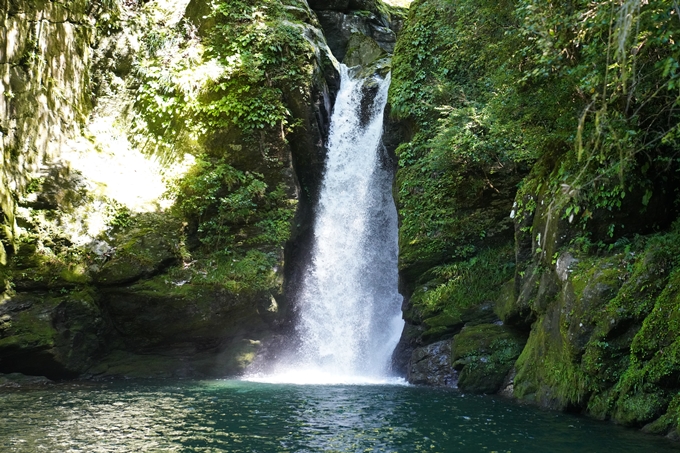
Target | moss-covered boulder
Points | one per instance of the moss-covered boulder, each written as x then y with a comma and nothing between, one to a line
483,355
362,51
340,28
31,269
459,294
548,370
229,359
165,313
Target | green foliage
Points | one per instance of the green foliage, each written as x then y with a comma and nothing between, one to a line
467,144
585,93
235,79
588,89
249,273
221,94
233,208
240,222
618,59
453,288
119,215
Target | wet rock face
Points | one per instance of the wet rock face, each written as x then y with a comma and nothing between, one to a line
339,28
18,381
431,365
163,314
44,80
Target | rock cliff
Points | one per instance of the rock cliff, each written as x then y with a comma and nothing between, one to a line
537,243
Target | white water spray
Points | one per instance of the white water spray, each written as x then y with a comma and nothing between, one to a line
349,308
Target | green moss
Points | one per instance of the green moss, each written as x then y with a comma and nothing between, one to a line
456,290
362,51
669,423
609,342
232,361
484,354
640,407
444,319
30,329
76,274
505,306
454,189
145,246
546,369
162,311
564,361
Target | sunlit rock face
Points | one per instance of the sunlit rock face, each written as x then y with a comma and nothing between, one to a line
44,95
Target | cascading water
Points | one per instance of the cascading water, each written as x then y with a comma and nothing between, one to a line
349,312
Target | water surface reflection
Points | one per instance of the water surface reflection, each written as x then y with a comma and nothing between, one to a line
235,416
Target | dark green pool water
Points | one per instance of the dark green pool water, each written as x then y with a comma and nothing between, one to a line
235,416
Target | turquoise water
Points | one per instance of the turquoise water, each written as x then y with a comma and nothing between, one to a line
235,416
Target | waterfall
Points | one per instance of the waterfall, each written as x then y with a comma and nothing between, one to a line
349,308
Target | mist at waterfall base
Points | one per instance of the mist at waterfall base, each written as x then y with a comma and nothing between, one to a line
349,308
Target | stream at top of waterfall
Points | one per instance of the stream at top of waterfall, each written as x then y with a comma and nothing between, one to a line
241,416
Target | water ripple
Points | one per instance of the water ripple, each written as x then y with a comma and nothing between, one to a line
237,416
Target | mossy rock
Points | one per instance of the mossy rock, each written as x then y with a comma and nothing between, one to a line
332,5
57,337
224,360
142,251
362,51
459,294
669,423
31,270
547,372
162,313
639,408
513,310
431,365
484,354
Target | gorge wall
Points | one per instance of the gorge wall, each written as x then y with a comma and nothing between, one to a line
537,190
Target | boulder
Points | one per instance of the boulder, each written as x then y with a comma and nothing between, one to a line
141,253
18,380
362,51
431,365
161,313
